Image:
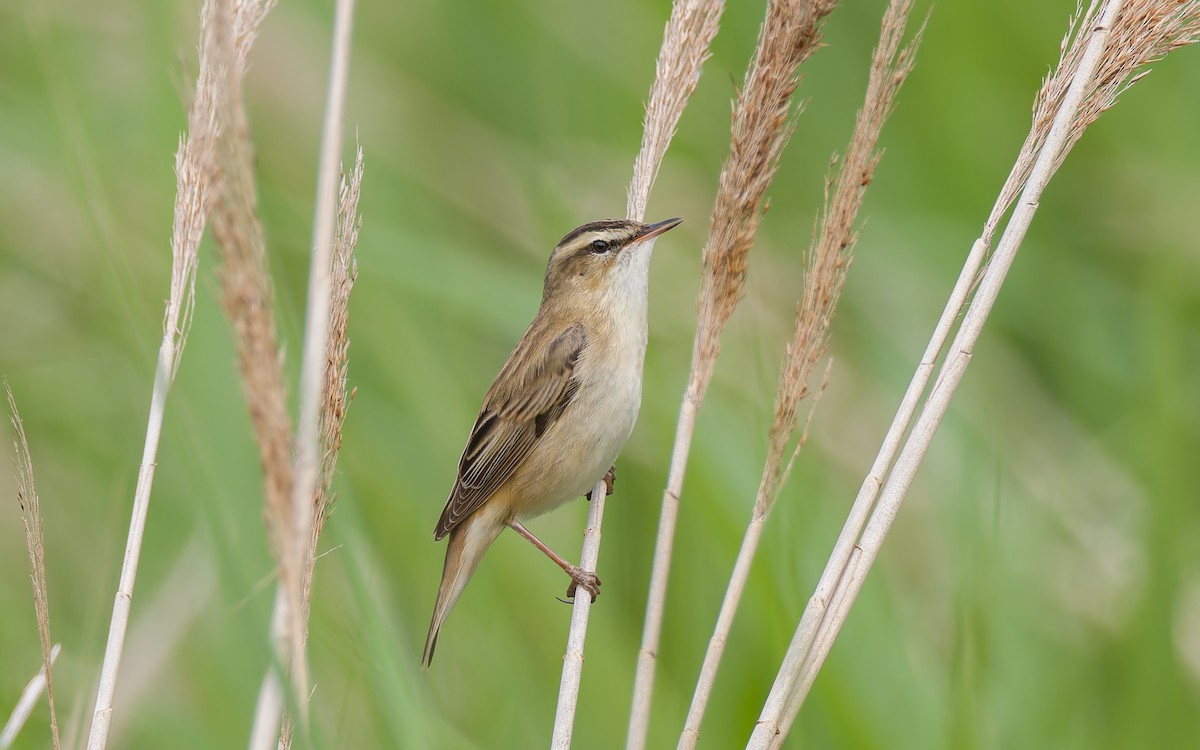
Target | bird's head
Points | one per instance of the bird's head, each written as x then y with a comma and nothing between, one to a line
601,257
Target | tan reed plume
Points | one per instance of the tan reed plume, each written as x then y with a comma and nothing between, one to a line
826,264
686,40
336,399
31,520
761,116
248,298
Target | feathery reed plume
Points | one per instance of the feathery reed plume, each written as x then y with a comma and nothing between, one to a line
1108,45
336,398
31,519
686,39
830,257
572,673
1148,31
248,298
194,169
761,117
29,696
288,622
1145,32
826,264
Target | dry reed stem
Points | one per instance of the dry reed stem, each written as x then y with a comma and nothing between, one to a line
288,624
572,673
686,39
760,130
1089,80
733,593
31,519
826,264
29,696
194,169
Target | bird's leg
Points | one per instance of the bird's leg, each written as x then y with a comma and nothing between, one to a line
610,478
579,577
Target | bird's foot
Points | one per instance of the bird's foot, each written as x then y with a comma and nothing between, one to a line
584,579
610,478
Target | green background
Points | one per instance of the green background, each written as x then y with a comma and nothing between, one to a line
1041,587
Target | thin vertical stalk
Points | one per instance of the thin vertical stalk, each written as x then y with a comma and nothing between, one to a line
572,673
643,685
35,544
193,172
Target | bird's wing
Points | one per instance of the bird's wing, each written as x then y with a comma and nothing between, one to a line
528,396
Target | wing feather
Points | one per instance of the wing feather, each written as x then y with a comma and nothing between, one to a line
528,396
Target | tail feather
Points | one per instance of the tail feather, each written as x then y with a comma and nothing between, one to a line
466,547
430,645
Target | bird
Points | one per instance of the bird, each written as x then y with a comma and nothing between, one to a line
560,409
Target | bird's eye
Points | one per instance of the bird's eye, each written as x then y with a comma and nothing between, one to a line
600,246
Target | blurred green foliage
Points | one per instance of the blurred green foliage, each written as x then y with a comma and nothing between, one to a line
1041,587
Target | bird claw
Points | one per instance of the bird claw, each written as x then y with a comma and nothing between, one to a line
584,579
610,478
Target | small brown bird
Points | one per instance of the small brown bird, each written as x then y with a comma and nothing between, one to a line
561,408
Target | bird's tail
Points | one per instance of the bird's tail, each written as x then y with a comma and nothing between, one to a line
466,546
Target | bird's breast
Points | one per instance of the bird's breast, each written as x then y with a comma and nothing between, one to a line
579,448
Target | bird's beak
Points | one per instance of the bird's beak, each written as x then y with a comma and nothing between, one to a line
653,230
